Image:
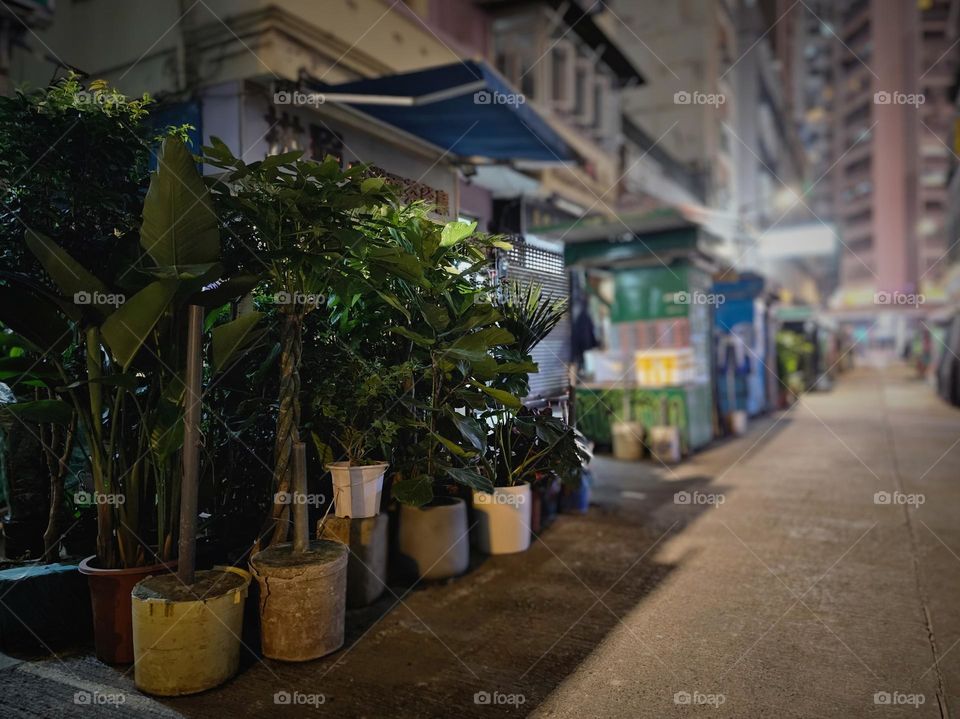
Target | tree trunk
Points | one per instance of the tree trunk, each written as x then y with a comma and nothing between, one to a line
57,466
288,417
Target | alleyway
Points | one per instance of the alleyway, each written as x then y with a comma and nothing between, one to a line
803,593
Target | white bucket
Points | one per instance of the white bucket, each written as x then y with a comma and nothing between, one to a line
737,423
357,488
503,519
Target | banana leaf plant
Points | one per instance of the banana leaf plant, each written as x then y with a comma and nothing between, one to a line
127,394
315,234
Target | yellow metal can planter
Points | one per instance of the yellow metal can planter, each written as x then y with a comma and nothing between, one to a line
187,639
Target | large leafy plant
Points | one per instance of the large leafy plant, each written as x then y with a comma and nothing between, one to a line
127,392
453,332
313,233
74,166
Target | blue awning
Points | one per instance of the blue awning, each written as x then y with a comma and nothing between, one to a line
465,108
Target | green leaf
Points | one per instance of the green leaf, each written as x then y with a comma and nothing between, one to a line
455,448
502,245
436,316
392,300
324,451
471,429
469,478
68,274
454,232
503,397
415,492
372,184
53,411
127,329
231,336
179,224
283,158
413,336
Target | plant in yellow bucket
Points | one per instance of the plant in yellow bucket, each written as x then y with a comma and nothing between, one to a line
187,626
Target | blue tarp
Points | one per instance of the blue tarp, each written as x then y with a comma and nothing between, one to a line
465,108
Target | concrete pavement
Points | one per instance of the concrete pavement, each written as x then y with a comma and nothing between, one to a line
763,577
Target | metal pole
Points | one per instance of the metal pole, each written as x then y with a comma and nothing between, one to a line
301,532
191,449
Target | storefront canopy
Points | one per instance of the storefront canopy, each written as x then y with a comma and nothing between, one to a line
465,108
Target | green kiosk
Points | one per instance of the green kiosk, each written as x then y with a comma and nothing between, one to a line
649,281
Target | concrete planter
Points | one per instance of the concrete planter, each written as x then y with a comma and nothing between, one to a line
627,440
503,519
367,565
665,444
302,599
187,640
433,539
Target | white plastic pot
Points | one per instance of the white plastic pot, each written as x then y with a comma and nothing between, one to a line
357,488
503,519
737,423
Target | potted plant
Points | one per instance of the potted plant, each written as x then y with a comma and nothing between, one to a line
75,159
127,393
452,332
527,448
313,228
357,417
520,442
187,627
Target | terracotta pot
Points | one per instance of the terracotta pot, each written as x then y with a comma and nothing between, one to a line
110,597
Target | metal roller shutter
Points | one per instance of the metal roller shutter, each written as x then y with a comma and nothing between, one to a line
530,264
